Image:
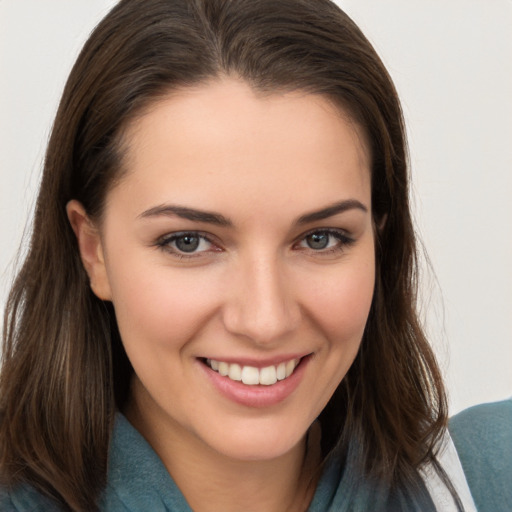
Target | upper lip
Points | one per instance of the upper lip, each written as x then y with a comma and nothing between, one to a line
258,362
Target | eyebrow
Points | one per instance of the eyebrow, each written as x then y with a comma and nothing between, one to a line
330,211
219,220
187,213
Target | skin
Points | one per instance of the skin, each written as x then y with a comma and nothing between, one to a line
256,289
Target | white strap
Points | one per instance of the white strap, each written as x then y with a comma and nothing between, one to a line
441,496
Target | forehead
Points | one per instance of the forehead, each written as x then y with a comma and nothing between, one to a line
220,138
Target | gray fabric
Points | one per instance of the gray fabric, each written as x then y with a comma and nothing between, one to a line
483,438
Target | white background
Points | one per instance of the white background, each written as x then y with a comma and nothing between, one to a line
452,64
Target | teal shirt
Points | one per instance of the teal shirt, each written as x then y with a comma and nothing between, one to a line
483,438
138,480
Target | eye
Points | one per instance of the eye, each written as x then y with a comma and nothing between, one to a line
186,243
325,240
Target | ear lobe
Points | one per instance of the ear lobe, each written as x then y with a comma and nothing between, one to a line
91,249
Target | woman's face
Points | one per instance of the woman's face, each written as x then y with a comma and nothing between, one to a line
239,241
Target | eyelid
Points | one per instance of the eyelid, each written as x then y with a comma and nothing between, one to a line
345,240
332,231
164,243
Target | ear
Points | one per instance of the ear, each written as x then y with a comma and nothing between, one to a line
91,249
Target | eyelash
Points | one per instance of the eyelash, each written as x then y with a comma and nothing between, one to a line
344,241
164,243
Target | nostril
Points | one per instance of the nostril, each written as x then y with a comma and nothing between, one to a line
260,324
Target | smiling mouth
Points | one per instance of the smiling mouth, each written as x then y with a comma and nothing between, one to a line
252,376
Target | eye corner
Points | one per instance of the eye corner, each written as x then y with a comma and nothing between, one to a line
187,244
324,241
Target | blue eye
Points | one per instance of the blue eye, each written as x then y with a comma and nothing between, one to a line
187,243
184,244
318,241
325,240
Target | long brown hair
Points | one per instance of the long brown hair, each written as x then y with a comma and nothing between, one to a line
65,372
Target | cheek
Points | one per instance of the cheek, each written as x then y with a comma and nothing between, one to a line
340,303
160,305
338,307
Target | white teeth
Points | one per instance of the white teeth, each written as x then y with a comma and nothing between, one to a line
223,369
290,366
268,376
235,372
281,371
251,375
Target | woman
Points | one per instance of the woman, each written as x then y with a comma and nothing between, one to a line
218,307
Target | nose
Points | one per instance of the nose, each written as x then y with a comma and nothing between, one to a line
261,303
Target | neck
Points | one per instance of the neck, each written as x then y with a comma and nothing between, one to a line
211,481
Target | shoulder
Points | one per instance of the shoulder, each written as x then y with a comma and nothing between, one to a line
6,503
25,499
483,438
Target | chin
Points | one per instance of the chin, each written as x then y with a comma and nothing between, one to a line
255,442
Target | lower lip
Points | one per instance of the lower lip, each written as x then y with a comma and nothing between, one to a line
257,396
